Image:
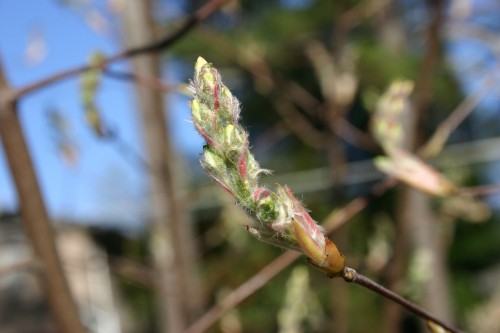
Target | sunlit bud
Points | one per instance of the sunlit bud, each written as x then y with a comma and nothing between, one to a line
196,111
208,81
212,162
200,62
229,105
235,143
335,261
215,167
312,246
435,328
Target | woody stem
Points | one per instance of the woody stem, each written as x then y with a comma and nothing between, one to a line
350,275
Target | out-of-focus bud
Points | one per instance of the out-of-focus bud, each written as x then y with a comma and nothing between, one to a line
414,172
387,124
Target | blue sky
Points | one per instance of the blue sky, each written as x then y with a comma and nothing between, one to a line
103,184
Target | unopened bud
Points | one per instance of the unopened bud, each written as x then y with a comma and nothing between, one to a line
205,122
313,247
215,167
212,162
266,208
235,143
200,62
229,106
196,111
335,261
208,81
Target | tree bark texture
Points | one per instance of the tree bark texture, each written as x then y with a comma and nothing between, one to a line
171,247
34,216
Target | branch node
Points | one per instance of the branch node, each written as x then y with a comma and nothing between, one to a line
349,274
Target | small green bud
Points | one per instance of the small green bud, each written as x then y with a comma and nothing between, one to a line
229,105
216,168
266,209
208,81
235,143
212,161
200,62
196,111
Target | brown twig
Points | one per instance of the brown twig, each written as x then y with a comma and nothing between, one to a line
243,291
149,82
360,12
350,275
201,14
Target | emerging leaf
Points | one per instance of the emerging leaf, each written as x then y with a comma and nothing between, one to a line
414,172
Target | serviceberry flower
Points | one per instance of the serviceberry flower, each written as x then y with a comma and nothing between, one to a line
281,219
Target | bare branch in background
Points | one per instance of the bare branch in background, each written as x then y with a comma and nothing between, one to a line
150,82
435,144
201,14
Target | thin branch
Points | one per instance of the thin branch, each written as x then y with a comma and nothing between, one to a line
337,219
243,291
298,124
201,14
20,265
360,12
149,82
350,275
133,271
435,144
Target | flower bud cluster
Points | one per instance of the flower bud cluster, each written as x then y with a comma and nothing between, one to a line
282,219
